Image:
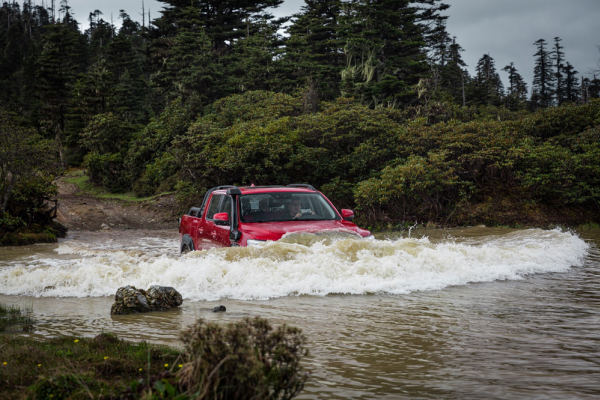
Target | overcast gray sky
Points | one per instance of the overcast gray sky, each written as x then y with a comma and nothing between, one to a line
506,29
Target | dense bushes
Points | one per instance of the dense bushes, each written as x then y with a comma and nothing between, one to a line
28,167
421,163
396,165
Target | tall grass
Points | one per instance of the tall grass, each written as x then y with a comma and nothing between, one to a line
12,318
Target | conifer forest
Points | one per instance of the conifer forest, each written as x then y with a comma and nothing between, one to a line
369,101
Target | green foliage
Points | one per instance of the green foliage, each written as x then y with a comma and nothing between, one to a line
560,176
107,170
61,387
107,133
102,366
145,154
28,167
106,138
248,359
418,187
566,121
419,163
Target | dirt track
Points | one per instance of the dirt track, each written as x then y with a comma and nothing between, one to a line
78,211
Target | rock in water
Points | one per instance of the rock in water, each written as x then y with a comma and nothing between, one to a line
219,309
163,298
129,300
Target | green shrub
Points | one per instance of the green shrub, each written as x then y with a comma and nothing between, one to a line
416,189
568,120
107,170
245,360
61,387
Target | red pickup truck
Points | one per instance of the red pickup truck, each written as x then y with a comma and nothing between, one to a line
251,215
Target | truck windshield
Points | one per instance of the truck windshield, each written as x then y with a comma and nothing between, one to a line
285,206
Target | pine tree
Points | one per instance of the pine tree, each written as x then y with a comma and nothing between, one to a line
558,57
57,71
486,87
251,64
385,48
572,88
593,88
191,69
516,96
452,74
543,77
313,51
225,23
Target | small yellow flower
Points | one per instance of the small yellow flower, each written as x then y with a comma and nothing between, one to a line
76,340
105,357
166,365
141,370
39,365
180,365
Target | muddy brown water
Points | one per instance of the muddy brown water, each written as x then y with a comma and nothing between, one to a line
463,313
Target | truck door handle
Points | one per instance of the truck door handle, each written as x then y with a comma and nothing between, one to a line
200,230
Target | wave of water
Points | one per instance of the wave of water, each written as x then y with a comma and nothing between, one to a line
300,264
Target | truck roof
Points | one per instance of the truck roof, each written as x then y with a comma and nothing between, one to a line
269,189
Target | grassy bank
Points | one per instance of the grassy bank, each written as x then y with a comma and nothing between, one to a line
58,368
243,360
33,234
79,178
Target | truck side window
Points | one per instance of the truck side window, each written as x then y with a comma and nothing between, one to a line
213,208
226,205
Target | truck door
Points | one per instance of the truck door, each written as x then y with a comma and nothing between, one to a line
222,231
206,234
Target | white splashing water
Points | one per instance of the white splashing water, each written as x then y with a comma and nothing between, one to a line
297,265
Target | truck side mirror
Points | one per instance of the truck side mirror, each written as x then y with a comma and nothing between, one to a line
348,215
221,218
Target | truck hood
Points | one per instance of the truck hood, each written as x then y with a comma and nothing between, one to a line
275,230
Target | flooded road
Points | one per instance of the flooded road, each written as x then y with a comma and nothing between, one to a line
465,313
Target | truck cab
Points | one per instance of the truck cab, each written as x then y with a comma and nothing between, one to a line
251,215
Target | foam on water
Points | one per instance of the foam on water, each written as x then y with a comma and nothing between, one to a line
301,264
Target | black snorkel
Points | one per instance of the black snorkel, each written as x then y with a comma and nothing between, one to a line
234,234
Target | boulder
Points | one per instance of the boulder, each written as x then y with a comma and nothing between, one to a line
163,298
129,300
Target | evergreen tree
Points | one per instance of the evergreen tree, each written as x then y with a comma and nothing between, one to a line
313,51
92,94
191,68
99,34
593,88
251,64
516,96
486,87
453,75
224,21
558,57
226,24
57,71
572,88
21,44
543,77
385,48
